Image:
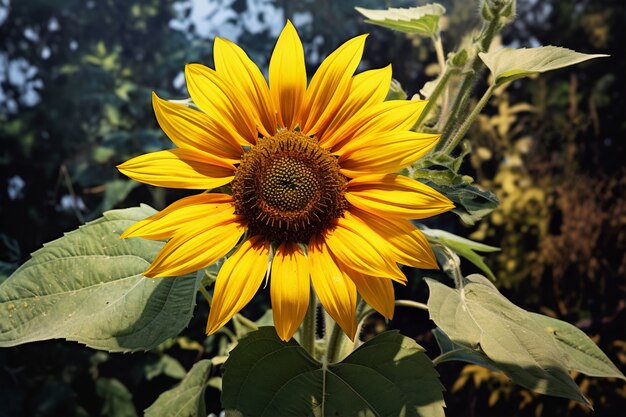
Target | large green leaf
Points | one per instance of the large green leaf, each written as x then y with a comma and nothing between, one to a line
389,375
423,19
508,64
88,286
478,317
185,399
463,247
580,353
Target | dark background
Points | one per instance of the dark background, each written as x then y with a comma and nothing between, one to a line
75,84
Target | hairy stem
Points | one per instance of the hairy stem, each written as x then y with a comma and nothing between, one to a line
432,100
459,107
453,141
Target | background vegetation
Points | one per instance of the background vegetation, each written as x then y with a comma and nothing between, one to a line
75,84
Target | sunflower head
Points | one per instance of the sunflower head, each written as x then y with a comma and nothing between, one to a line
310,173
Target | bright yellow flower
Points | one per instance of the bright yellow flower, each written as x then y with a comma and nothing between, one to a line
311,174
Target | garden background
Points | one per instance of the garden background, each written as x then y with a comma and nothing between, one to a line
75,84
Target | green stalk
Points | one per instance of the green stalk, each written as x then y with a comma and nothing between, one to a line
441,60
335,342
309,328
459,107
205,294
453,141
432,100
412,304
246,322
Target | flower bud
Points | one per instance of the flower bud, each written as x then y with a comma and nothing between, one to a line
458,59
492,9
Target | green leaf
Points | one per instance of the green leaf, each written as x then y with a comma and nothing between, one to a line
423,20
463,247
117,400
165,365
389,375
508,64
479,318
451,351
580,352
185,399
471,203
440,171
115,192
88,287
396,92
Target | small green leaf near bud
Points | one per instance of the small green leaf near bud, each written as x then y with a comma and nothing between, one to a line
486,12
510,10
459,58
396,92
492,9
508,64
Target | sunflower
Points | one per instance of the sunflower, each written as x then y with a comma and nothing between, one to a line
310,193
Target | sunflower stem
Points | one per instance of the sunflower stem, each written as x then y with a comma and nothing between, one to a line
481,44
308,330
453,141
363,312
432,100
441,60
205,294
335,342
412,304
246,322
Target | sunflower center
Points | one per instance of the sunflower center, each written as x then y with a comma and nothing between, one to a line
288,188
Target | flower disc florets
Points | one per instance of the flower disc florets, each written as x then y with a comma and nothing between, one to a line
288,188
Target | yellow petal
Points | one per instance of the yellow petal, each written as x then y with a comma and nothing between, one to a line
179,168
182,213
238,280
233,65
189,128
397,196
287,75
218,100
336,291
382,153
407,243
388,116
355,245
290,289
197,245
330,85
377,292
368,88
